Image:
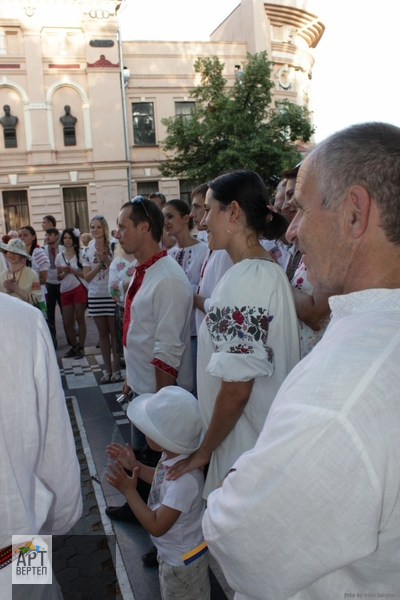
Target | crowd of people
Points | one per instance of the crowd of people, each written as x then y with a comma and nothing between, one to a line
261,363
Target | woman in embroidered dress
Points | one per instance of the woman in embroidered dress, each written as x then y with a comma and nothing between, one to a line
121,271
18,280
96,262
73,289
249,340
188,252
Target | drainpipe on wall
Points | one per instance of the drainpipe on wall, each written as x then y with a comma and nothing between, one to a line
125,74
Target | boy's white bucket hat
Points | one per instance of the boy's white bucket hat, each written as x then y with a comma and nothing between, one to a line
171,418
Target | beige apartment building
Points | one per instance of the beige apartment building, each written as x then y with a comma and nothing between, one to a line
80,111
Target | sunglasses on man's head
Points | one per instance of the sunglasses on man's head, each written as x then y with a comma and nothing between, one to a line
139,200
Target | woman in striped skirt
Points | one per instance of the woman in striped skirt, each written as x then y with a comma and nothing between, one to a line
96,261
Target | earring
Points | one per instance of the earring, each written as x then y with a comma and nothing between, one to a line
237,227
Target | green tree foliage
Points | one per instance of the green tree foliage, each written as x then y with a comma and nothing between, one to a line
234,128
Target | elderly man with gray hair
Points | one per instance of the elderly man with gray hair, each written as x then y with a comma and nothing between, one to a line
313,511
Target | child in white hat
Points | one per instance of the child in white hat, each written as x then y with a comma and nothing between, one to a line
170,420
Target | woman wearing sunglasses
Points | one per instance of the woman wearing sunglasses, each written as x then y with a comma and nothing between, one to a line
96,262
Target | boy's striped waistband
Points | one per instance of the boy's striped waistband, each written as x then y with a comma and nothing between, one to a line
195,553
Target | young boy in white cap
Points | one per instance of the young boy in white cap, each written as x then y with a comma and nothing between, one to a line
170,420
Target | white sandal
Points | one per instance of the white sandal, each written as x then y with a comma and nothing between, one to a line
106,377
116,377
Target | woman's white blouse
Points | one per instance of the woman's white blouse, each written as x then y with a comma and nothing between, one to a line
250,332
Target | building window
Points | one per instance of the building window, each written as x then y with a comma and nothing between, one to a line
184,109
75,208
186,186
11,42
143,123
16,212
145,188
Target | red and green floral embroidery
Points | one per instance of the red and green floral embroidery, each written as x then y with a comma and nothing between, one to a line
115,291
241,349
299,283
246,324
96,261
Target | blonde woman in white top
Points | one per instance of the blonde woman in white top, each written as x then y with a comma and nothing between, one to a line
96,261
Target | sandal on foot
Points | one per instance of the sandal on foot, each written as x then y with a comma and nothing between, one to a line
106,377
116,377
80,353
72,352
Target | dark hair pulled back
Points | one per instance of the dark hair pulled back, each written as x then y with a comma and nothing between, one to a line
34,242
251,193
182,208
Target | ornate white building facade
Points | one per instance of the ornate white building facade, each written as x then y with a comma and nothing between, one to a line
87,159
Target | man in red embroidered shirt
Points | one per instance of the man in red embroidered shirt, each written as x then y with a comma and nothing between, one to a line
158,304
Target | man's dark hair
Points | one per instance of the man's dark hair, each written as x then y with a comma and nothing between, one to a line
51,219
52,230
148,211
200,190
159,195
290,173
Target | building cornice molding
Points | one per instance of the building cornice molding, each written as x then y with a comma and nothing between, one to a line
307,25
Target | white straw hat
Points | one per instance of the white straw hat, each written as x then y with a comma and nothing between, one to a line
16,246
171,418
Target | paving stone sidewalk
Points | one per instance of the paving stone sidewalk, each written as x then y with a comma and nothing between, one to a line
85,567
84,559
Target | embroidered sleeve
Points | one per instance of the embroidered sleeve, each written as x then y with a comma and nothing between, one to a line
115,290
237,329
115,283
86,257
239,336
164,367
39,255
